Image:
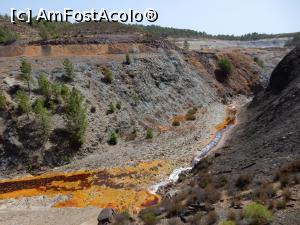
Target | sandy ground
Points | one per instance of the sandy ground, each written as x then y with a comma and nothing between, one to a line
50,216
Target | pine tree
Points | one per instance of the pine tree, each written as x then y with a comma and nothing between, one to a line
76,116
23,102
69,68
44,86
42,119
26,74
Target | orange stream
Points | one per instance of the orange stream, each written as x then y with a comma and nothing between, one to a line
119,188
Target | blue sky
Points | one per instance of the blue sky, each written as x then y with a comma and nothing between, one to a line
212,16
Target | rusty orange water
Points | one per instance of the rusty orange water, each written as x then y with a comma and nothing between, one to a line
119,188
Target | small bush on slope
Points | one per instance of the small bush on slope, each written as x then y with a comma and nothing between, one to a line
259,61
190,115
127,59
108,77
257,213
225,66
113,138
243,181
149,134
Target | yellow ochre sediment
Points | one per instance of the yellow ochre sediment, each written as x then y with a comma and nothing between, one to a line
119,188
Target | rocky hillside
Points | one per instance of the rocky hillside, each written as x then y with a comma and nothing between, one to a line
258,162
270,125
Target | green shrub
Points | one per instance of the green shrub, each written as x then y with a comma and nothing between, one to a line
23,102
127,59
118,105
108,77
191,114
111,109
76,116
149,133
26,74
259,61
134,133
69,68
113,138
225,66
149,216
44,86
136,98
3,102
7,36
227,222
257,213
37,105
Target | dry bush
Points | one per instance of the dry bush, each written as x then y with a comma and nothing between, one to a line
196,219
202,166
204,179
243,181
270,204
176,205
286,194
280,204
176,123
211,218
212,194
231,215
220,181
264,192
292,167
284,180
